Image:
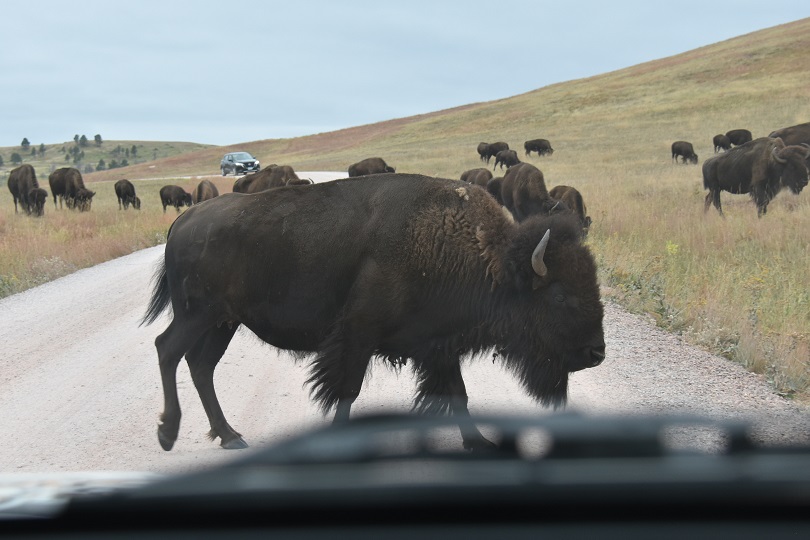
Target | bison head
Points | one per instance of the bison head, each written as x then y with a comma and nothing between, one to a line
136,203
556,327
792,160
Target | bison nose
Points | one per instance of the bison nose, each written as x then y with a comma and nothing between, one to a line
597,355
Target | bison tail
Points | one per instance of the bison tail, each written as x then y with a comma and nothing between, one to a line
161,296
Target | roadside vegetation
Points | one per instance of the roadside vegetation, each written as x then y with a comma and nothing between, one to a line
738,286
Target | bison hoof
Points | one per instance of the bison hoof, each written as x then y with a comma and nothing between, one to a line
165,442
234,444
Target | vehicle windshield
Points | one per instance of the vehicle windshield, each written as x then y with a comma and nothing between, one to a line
202,310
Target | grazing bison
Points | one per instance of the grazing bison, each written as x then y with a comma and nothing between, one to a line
761,168
541,146
721,142
373,165
21,181
739,136
524,192
205,190
272,176
125,192
62,181
174,196
494,189
36,201
506,157
410,268
488,150
685,151
479,177
76,195
574,203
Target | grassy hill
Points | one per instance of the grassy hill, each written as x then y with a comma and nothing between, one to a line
54,157
738,286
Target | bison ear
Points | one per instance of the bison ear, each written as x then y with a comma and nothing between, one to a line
538,265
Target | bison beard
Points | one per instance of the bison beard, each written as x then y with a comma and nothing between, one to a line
401,267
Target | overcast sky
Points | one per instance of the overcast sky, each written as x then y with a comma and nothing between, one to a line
229,72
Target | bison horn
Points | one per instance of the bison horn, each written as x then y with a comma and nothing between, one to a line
778,159
538,265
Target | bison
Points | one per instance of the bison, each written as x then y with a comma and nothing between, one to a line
761,168
62,179
685,151
479,177
21,181
488,150
411,269
373,165
205,190
272,176
524,192
36,201
739,136
76,195
125,192
573,201
174,196
721,142
506,157
541,146
793,135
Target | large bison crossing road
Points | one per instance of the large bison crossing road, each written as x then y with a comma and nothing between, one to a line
80,387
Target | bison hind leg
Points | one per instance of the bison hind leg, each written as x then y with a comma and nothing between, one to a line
202,359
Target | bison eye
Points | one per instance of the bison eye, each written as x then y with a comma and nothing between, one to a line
559,298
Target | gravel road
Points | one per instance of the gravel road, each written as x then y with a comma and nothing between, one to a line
80,387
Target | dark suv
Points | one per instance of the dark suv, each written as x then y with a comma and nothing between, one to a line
238,163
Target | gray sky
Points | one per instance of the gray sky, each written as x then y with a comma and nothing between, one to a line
242,70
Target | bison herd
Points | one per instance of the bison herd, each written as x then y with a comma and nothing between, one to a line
759,167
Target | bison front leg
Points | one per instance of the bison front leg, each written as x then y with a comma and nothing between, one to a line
202,359
441,389
713,197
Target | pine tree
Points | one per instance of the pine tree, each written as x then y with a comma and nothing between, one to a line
25,144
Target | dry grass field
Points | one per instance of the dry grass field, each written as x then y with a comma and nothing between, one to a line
739,286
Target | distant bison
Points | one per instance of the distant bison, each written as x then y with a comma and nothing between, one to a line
372,165
524,192
721,142
272,176
739,136
410,268
574,202
125,192
488,150
20,183
205,190
479,177
506,157
541,146
36,200
685,151
761,168
174,196
77,196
